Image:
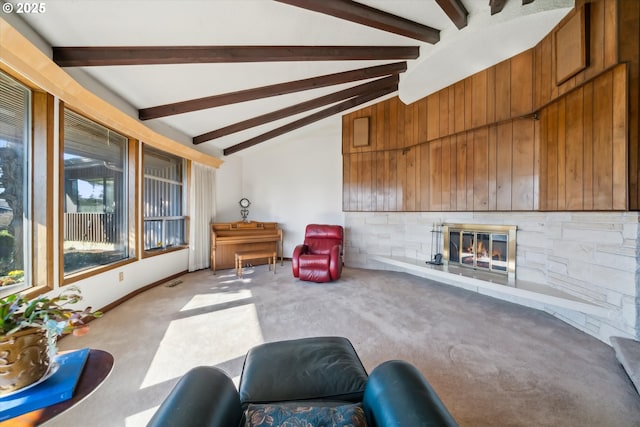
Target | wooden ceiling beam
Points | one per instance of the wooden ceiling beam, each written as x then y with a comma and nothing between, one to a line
497,6
456,11
271,90
374,86
369,16
323,114
93,56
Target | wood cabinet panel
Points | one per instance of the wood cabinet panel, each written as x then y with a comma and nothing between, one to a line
522,83
611,32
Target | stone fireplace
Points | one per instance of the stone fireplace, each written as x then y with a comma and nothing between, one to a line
590,258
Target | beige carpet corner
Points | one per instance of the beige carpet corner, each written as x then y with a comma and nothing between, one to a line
493,363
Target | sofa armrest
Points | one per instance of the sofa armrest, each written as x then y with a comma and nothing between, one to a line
295,258
204,396
398,395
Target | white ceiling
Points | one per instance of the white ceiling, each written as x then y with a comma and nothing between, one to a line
485,41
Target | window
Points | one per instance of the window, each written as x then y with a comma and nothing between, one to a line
95,194
164,219
15,229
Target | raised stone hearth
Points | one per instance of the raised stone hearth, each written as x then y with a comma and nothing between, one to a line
577,266
529,294
628,354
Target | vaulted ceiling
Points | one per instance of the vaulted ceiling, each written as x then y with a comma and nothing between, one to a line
231,74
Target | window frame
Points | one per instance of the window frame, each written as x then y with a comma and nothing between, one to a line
186,168
131,165
41,192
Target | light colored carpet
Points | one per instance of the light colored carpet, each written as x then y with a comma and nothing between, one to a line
493,363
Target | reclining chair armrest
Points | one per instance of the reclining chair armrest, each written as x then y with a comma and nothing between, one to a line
398,395
295,258
335,262
204,396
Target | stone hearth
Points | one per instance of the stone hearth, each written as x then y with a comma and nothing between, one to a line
577,266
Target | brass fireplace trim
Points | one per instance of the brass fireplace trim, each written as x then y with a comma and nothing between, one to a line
509,230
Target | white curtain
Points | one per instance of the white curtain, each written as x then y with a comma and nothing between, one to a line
202,212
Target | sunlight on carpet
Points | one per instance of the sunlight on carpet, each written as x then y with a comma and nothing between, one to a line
141,418
210,300
213,344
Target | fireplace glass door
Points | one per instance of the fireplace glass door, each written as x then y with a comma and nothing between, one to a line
490,248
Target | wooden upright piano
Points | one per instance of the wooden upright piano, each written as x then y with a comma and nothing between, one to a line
230,237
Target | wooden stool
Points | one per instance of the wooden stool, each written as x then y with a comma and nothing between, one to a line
243,256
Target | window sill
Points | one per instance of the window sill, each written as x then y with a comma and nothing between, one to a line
159,251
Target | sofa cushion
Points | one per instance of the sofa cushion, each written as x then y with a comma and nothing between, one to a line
319,368
273,415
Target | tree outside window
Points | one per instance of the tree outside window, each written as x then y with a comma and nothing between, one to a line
15,124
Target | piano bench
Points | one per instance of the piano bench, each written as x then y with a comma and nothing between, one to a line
272,256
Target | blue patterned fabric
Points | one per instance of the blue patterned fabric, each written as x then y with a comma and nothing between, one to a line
271,415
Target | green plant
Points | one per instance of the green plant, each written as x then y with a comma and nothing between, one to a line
52,314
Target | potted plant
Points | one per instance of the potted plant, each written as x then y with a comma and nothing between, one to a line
29,329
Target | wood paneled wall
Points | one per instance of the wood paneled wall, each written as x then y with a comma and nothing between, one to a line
507,138
584,153
629,50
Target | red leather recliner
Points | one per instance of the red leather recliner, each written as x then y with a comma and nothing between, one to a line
319,259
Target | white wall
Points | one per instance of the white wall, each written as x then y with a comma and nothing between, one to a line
294,180
228,189
103,289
